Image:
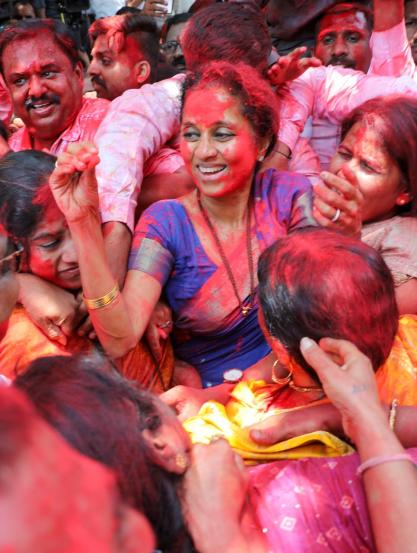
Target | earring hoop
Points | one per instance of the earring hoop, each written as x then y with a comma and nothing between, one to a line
281,381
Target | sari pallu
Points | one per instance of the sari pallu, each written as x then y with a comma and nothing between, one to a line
210,331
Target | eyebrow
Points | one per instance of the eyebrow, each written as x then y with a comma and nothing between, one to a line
42,68
218,123
44,235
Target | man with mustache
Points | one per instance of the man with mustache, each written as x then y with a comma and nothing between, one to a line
125,54
44,76
342,36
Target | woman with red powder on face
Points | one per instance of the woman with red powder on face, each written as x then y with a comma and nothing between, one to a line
31,217
378,153
200,250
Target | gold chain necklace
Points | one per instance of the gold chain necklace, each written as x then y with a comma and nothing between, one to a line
243,308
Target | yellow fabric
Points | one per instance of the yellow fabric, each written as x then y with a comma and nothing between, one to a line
397,378
249,406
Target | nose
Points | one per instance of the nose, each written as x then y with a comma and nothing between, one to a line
206,148
36,86
92,68
69,253
339,46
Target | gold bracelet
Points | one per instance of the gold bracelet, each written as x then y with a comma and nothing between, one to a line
393,414
103,301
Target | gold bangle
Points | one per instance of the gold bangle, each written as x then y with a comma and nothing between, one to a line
393,414
103,301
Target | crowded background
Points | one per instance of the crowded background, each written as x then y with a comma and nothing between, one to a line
208,276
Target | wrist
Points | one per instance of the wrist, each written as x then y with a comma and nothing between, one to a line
226,536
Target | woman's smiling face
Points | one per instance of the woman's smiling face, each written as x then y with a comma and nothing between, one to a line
218,143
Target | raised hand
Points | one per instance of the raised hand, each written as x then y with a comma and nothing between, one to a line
73,182
291,66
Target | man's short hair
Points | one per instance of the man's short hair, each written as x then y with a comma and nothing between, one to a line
345,7
31,28
142,28
228,31
176,19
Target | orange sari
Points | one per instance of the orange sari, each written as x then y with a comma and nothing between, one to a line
24,342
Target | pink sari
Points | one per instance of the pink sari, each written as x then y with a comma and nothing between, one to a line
313,505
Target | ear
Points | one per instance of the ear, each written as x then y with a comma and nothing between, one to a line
280,352
403,199
263,146
79,71
142,72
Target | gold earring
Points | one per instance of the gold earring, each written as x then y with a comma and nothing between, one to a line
281,381
181,461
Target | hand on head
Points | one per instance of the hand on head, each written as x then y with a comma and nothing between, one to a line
348,379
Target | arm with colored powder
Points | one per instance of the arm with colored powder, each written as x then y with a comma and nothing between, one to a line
136,126
391,52
122,321
332,92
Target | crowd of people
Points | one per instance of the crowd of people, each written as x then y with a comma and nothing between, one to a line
208,274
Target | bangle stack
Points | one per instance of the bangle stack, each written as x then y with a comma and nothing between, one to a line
103,301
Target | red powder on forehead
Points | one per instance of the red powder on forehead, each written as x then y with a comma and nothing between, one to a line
45,199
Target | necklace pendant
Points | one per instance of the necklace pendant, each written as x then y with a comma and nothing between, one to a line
245,310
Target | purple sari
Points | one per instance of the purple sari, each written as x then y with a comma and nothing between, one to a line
210,332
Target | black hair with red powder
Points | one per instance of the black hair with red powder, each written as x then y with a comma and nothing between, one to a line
318,283
24,192
259,102
230,32
30,28
394,119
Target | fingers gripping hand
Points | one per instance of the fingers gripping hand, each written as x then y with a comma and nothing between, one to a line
73,182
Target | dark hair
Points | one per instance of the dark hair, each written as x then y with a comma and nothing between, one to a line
22,176
4,132
30,28
174,20
142,28
259,102
394,119
229,32
127,9
345,7
102,415
318,283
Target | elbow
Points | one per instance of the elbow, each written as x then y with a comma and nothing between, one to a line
118,348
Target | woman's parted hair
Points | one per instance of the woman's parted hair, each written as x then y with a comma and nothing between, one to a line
258,100
102,415
318,283
394,119
22,176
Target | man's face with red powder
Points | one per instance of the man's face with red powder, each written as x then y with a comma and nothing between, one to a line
46,89
343,39
112,73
